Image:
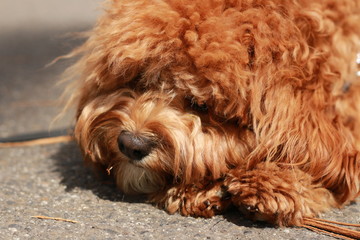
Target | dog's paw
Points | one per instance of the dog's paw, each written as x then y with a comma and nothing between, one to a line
200,202
280,196
197,200
260,200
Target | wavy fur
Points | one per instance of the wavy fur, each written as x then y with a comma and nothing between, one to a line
256,99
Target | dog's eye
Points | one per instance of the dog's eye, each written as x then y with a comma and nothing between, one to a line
199,107
137,77
134,83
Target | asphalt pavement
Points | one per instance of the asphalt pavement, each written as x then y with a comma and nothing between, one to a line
52,180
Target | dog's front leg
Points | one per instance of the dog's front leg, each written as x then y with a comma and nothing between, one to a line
203,199
279,195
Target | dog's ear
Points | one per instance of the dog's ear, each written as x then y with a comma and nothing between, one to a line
97,79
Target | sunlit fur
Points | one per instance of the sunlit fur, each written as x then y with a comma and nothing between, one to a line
279,137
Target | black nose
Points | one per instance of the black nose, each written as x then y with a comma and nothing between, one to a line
133,146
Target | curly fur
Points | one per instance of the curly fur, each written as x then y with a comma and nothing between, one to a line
247,102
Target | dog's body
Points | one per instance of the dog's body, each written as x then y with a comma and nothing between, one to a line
204,104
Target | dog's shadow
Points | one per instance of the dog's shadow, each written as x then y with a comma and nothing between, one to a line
234,216
75,174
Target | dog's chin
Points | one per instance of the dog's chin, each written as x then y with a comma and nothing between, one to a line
134,179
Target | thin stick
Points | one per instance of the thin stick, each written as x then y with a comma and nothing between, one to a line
55,218
335,222
41,141
317,230
320,224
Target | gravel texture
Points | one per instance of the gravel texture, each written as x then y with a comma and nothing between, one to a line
52,180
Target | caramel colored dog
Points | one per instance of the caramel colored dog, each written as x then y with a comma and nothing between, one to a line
210,103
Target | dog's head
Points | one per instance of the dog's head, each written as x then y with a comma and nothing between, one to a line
151,139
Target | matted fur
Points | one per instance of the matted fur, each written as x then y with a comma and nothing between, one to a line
247,102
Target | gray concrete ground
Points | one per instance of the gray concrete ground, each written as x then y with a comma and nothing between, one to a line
52,180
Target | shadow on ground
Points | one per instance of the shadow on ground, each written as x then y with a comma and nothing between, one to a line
76,174
234,216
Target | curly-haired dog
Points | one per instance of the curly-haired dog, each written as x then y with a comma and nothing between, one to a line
210,103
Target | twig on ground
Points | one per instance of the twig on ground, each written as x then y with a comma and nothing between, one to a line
55,218
40,141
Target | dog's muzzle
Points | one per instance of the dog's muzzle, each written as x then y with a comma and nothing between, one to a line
133,146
